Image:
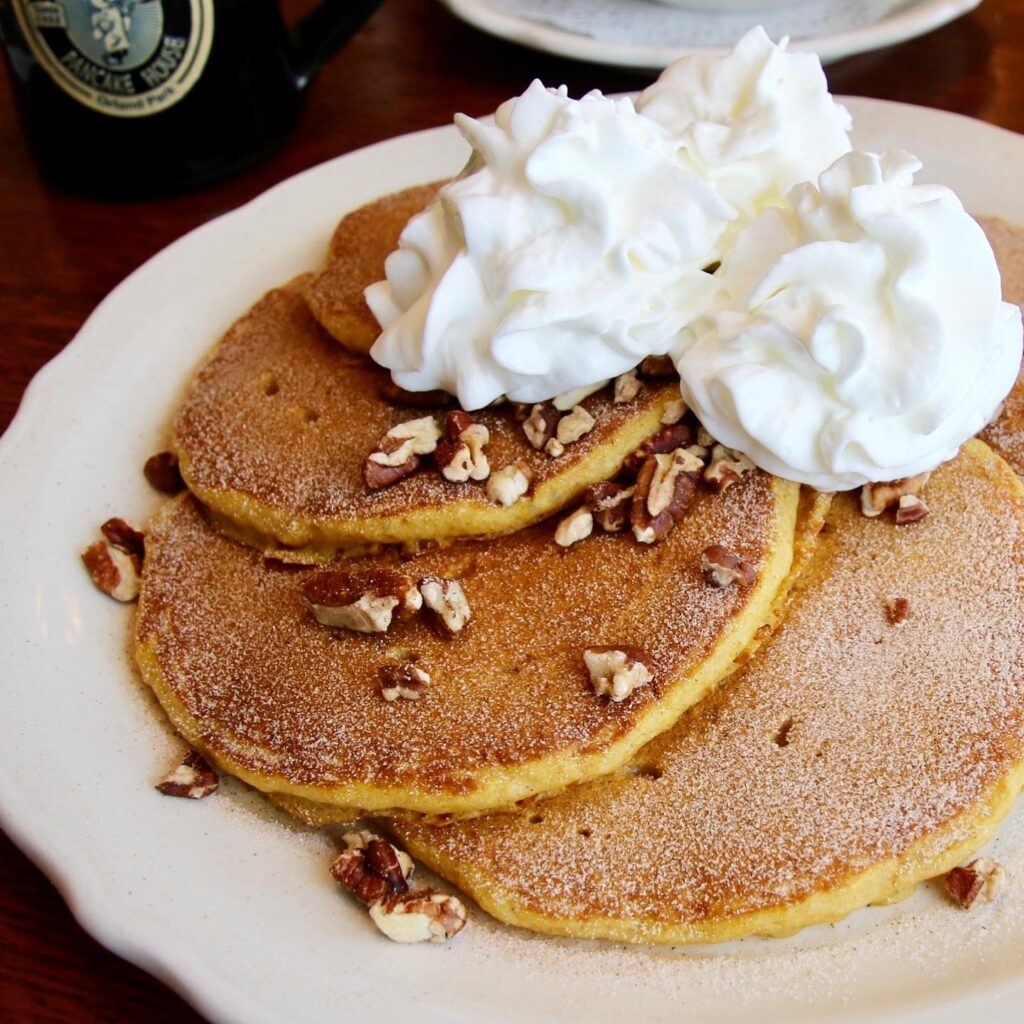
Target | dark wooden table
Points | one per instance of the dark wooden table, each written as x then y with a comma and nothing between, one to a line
411,66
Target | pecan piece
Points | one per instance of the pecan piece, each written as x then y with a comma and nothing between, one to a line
402,680
376,475
978,882
112,571
911,509
192,779
161,470
658,366
722,567
616,671
446,603
508,484
574,527
674,412
372,868
574,425
390,863
609,502
541,424
350,869
726,468
460,453
554,448
627,387
397,455
897,610
364,601
877,498
424,916
664,489
115,562
125,537
667,439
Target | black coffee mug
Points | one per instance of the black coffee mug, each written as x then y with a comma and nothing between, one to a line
127,98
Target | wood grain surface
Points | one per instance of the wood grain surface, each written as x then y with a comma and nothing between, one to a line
411,66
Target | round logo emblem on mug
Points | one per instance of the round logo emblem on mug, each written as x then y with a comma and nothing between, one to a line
128,58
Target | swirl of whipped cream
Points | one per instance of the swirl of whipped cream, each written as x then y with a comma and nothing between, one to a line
865,338
753,122
570,249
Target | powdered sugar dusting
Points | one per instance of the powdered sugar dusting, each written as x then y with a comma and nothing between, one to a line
843,742
272,689
282,414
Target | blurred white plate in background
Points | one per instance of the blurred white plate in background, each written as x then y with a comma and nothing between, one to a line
649,34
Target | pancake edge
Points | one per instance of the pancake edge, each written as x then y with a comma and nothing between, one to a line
502,786
886,882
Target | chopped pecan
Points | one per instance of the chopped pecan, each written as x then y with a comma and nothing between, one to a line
554,448
574,425
616,671
377,476
398,453
722,567
897,610
364,601
161,470
911,509
402,680
674,412
413,437
610,503
877,498
541,424
446,602
725,468
124,537
455,423
664,489
351,870
372,868
192,779
460,453
704,438
627,387
574,527
357,840
658,366
978,882
420,916
115,562
508,484
667,439
396,395
390,863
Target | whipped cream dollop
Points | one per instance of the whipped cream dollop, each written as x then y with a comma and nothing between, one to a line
864,337
753,122
570,249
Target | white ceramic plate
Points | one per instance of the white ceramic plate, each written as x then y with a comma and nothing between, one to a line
648,34
228,902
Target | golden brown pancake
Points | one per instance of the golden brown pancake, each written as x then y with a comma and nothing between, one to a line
248,677
1006,434
850,758
275,429
360,244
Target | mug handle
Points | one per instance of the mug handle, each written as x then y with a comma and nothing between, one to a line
323,31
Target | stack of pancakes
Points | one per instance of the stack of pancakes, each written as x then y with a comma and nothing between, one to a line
797,753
